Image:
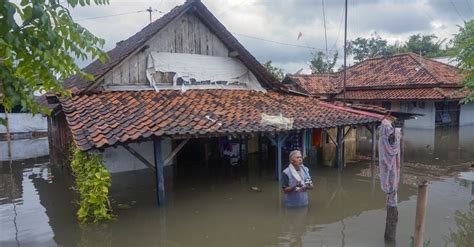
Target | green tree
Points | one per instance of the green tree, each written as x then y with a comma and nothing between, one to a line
363,48
427,45
319,64
275,71
463,52
39,42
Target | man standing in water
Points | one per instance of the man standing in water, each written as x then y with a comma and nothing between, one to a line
296,181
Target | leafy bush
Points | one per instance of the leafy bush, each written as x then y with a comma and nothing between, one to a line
92,182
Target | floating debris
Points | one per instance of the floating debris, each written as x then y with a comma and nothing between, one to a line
256,189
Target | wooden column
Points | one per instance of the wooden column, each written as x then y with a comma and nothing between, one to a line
160,179
421,203
339,148
374,145
278,143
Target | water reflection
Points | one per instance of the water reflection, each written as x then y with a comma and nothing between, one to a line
440,145
209,206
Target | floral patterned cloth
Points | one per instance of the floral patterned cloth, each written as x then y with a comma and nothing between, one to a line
389,160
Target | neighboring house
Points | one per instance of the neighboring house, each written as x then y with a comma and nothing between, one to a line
182,78
28,134
403,82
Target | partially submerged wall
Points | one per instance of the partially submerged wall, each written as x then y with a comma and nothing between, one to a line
24,149
466,116
24,123
329,149
118,159
427,121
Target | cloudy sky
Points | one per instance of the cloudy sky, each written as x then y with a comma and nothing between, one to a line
269,28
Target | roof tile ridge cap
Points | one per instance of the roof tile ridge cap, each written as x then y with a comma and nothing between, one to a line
441,63
449,66
386,57
440,91
351,110
411,55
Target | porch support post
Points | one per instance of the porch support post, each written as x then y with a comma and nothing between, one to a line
374,145
339,148
278,142
280,139
160,180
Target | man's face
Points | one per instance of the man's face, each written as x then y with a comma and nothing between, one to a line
296,160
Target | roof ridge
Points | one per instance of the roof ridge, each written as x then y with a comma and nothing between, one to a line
411,54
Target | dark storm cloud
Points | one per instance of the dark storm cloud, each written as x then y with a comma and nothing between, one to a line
282,20
452,10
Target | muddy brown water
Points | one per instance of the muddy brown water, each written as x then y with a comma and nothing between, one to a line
210,206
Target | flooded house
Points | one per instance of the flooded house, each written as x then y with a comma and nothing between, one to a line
28,134
403,82
183,90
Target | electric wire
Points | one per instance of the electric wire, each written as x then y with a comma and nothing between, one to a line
456,9
107,16
280,43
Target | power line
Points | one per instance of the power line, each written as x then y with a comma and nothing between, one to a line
325,30
281,43
469,5
106,16
339,30
456,9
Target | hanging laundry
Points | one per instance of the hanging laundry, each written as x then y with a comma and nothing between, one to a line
316,138
293,142
389,161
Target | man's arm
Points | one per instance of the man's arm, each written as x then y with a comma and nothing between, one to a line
286,184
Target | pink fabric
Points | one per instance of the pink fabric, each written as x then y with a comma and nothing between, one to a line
389,161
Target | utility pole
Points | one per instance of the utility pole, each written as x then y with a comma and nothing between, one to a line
345,52
149,10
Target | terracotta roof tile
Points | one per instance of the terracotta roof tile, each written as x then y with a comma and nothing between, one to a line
196,112
406,70
404,94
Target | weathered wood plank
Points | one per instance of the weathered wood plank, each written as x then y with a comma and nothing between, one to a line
134,70
116,76
186,34
125,72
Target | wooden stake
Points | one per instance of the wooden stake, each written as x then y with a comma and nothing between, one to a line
421,203
391,224
9,138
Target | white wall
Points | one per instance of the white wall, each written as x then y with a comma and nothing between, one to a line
25,149
120,160
466,139
467,114
24,122
427,121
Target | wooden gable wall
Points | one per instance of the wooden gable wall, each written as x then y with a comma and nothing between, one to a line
186,34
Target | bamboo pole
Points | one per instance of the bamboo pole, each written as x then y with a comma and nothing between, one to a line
421,203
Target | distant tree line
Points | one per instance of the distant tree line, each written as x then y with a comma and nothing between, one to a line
426,45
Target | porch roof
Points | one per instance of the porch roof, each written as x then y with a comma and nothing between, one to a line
104,119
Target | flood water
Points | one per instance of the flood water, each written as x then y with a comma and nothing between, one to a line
212,206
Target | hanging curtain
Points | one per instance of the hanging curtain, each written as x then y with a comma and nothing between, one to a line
389,160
